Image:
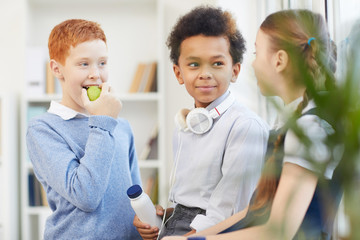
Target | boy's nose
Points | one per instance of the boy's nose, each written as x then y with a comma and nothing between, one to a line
94,73
205,75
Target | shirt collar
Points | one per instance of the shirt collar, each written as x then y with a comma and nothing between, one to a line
286,112
217,101
310,105
64,112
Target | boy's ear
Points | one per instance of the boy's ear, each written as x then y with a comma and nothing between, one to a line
177,72
281,60
235,72
55,68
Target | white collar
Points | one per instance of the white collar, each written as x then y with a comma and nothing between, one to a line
218,101
310,105
286,112
64,112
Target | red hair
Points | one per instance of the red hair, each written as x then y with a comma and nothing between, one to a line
71,33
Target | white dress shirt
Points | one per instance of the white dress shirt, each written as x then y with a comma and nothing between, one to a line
219,170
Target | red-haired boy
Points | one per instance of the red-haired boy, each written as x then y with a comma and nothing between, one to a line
82,153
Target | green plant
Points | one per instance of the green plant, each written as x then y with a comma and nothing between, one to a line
340,107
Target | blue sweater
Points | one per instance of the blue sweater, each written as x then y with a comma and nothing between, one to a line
85,165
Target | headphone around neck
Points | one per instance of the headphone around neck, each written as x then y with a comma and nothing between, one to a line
200,120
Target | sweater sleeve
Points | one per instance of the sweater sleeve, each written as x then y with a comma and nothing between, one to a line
241,169
133,162
79,177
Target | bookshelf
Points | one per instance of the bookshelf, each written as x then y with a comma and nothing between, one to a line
142,108
9,209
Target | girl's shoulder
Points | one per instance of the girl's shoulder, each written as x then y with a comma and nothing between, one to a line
312,124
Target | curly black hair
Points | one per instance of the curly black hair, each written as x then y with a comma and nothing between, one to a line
207,21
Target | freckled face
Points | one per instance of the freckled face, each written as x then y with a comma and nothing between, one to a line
86,65
206,68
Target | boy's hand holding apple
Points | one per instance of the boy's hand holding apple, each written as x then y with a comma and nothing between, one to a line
101,101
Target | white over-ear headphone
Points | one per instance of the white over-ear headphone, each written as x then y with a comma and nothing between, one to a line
200,120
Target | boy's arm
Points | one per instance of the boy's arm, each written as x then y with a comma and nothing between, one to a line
241,169
221,226
81,181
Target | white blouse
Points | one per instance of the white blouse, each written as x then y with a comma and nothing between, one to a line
311,158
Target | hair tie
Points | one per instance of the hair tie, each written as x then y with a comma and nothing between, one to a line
310,39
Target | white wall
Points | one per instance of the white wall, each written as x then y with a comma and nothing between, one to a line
12,47
343,15
249,15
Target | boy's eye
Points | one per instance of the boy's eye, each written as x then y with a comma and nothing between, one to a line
193,64
218,64
102,63
84,64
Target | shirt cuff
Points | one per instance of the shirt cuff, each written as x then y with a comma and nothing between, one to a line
201,222
106,123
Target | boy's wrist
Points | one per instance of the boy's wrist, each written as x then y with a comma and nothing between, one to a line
104,122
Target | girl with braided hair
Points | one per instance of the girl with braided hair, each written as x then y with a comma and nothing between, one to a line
298,193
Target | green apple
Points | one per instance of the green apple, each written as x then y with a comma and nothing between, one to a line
93,92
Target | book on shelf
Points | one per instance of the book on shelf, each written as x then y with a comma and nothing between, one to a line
137,78
150,150
43,196
37,192
37,195
152,187
144,79
31,189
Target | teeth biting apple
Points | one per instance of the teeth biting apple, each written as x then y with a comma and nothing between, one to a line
93,92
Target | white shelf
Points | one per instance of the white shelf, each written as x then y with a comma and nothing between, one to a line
149,163
9,222
38,210
43,99
140,97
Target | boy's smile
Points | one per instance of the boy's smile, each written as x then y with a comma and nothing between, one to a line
206,68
